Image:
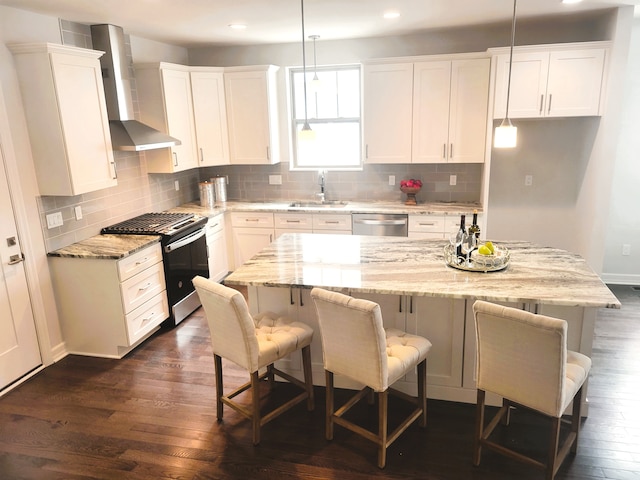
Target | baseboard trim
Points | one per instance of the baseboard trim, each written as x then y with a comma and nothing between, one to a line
620,278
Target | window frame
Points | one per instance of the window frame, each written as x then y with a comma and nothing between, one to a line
295,123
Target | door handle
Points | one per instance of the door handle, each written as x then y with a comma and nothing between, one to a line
15,259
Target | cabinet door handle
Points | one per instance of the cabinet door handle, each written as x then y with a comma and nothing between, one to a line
549,107
144,260
291,296
444,150
145,287
427,224
366,151
268,155
201,155
451,151
293,221
301,302
115,171
400,303
411,304
331,222
175,159
541,103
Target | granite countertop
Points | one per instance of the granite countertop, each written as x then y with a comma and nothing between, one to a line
111,247
403,266
279,206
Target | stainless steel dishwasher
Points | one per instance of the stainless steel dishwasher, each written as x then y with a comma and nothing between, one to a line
379,224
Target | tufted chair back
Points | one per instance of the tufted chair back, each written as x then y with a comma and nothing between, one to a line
233,331
353,338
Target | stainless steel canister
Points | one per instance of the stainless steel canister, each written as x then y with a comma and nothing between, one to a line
220,183
207,194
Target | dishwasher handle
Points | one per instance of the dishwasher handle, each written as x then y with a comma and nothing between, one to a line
380,222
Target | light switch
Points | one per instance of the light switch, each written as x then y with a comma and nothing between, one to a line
392,180
453,179
54,220
528,180
78,212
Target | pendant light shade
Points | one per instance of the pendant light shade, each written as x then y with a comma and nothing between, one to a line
506,134
306,134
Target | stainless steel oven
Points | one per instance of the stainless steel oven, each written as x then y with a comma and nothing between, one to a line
184,254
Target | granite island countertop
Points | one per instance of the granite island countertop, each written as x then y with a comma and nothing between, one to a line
404,266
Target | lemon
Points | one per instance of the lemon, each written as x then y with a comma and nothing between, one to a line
490,246
484,250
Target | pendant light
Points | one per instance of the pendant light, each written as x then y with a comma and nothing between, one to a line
316,83
506,134
306,134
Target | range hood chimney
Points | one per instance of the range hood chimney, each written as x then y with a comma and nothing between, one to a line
126,132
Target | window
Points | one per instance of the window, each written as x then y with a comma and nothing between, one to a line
333,112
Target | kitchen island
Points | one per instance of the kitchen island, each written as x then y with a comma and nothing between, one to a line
420,293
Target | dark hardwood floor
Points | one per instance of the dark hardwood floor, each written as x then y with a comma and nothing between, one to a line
151,415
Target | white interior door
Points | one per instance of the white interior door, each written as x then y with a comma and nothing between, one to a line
19,350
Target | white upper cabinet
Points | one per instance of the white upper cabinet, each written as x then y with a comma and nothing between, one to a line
252,115
428,111
210,115
164,95
450,102
550,82
66,114
387,110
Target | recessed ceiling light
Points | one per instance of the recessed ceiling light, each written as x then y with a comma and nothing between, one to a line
237,26
391,15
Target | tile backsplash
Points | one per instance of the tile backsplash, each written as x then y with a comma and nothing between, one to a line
139,192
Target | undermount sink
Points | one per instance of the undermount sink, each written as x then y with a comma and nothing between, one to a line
325,204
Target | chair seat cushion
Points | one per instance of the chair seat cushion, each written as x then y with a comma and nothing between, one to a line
578,366
279,336
404,351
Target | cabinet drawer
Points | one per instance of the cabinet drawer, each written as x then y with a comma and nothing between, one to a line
215,225
293,220
142,287
145,318
133,264
331,222
255,219
427,223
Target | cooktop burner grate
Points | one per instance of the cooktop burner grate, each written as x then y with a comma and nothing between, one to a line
148,223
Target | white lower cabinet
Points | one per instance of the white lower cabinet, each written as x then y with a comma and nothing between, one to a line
441,320
217,248
334,223
107,307
252,231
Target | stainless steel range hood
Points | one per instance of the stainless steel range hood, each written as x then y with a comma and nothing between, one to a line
126,132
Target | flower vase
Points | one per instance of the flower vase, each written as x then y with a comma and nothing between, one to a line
411,195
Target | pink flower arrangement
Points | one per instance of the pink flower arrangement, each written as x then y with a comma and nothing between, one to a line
412,183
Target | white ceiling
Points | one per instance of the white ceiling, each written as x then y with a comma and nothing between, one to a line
205,22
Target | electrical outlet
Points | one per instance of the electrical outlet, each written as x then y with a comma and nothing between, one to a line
626,249
78,211
54,220
177,185
453,179
528,180
392,180
275,179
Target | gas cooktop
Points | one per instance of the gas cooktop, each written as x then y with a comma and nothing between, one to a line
163,223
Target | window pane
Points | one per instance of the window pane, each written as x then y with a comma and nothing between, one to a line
349,93
335,145
326,96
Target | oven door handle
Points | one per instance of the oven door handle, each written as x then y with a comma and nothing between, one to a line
185,241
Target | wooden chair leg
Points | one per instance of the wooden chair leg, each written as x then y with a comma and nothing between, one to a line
255,396
575,420
308,377
553,448
218,372
270,376
383,399
506,419
477,438
422,392
329,405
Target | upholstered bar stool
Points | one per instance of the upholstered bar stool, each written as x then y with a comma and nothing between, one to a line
523,357
356,345
253,343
